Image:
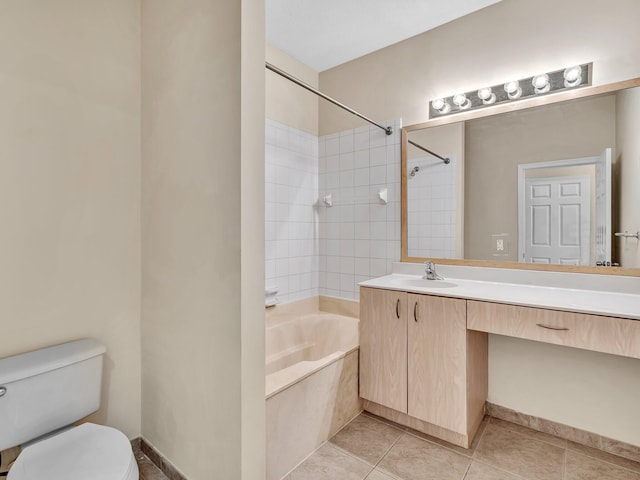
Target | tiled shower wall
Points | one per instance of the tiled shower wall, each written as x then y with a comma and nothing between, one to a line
314,249
359,235
431,194
291,228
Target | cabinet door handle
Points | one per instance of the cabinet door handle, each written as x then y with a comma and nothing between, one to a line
552,328
398,308
415,312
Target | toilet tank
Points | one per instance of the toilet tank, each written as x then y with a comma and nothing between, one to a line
47,389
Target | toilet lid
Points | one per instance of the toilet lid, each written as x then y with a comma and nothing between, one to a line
85,452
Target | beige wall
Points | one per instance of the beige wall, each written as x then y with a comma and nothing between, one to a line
514,38
252,230
203,215
496,145
70,186
511,39
287,102
628,175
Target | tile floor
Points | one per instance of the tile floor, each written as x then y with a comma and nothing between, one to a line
374,449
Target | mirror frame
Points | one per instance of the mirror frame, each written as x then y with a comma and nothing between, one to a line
495,110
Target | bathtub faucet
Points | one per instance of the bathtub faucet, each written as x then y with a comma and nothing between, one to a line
430,271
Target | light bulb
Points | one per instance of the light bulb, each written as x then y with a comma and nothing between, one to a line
441,105
487,96
513,89
461,101
573,76
541,83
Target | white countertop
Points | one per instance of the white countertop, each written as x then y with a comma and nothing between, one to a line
597,302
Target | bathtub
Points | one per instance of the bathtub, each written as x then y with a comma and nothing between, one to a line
311,384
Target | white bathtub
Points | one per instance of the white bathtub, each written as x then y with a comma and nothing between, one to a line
311,384
299,345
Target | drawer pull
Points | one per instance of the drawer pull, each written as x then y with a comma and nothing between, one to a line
398,308
415,312
552,328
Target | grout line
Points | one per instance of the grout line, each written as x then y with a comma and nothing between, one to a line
473,455
500,469
304,460
361,459
466,472
385,454
346,424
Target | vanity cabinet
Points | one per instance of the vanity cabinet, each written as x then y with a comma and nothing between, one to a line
437,334
383,347
419,365
617,336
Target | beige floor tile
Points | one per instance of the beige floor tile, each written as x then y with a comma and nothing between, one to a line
330,463
379,475
520,454
463,451
480,471
535,434
366,438
581,467
414,459
605,456
384,420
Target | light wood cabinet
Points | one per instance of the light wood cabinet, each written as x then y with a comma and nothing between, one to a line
617,336
440,385
383,347
437,334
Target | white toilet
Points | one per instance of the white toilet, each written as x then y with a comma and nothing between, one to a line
41,394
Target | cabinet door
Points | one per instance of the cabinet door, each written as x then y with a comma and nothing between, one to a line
437,338
383,347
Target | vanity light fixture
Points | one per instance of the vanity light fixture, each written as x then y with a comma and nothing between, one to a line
461,101
573,76
513,89
487,96
441,105
541,84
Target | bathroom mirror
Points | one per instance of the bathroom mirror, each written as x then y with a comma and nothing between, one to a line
544,183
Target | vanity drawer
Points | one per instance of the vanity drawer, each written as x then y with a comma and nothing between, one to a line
617,336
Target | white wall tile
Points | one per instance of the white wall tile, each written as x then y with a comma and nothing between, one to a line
369,232
433,208
292,181
346,141
311,248
361,159
361,139
332,145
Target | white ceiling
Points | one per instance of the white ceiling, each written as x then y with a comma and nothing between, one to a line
325,33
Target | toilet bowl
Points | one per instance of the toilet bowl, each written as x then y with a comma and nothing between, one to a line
81,453
42,393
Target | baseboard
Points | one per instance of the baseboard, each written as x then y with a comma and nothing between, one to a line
165,466
572,434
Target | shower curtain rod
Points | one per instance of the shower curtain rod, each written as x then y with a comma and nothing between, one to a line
306,86
444,159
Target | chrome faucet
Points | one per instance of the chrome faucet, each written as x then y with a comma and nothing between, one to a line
430,271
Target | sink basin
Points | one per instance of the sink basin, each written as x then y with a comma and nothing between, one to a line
422,283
